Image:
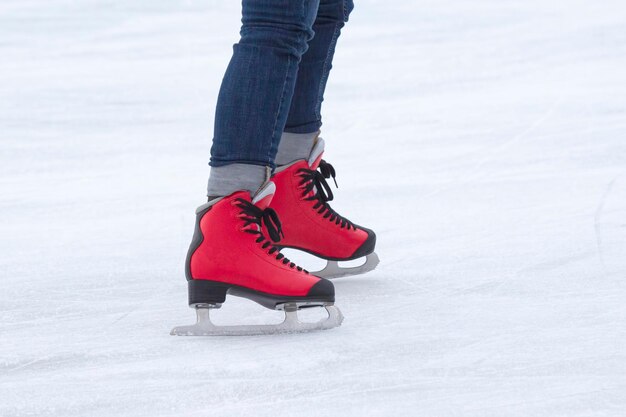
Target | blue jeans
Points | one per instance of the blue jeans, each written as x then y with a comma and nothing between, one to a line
276,77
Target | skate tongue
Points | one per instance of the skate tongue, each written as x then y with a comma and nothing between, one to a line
316,153
263,197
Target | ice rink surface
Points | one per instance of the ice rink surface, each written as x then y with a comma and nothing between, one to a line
484,141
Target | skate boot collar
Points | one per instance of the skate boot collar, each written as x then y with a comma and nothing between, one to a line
208,204
316,153
241,193
263,197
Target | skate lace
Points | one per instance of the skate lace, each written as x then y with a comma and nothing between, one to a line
314,180
253,215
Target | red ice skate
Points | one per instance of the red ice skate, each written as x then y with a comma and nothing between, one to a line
230,254
310,224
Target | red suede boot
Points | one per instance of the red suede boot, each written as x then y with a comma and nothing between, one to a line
229,254
310,224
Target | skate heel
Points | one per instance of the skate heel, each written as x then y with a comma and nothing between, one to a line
206,293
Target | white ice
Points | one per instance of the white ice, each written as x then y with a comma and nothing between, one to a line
484,141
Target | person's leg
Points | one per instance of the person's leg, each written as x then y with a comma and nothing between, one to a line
233,247
302,192
256,92
305,119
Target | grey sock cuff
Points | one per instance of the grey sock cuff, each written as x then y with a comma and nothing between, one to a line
294,146
227,179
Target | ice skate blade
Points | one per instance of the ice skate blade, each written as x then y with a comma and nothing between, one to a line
291,324
333,270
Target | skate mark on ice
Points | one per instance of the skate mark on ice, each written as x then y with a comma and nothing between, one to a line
474,172
538,122
542,266
27,364
51,361
513,405
136,307
597,217
332,393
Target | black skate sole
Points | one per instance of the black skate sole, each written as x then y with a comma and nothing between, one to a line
203,291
